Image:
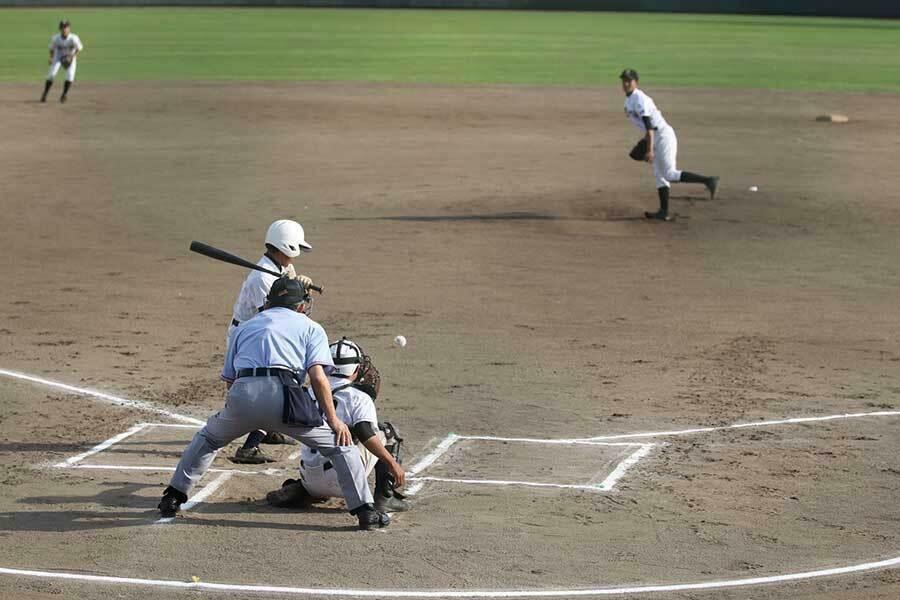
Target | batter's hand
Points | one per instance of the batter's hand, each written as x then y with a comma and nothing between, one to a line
342,435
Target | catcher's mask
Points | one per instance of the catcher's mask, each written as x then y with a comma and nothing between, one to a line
347,357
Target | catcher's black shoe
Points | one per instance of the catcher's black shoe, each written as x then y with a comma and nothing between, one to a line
276,437
171,502
292,494
396,503
712,185
369,518
659,216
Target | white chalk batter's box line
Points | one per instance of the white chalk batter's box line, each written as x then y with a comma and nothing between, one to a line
416,481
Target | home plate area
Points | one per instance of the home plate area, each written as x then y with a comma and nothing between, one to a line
555,464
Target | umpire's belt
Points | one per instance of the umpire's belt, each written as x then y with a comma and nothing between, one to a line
260,372
235,322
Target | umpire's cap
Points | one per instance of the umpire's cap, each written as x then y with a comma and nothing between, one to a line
287,292
629,75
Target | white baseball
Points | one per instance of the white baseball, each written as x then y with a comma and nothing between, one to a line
400,341
753,188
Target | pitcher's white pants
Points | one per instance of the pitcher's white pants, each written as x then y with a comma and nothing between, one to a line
665,152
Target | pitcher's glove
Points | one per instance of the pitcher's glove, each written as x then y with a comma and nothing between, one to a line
639,152
368,379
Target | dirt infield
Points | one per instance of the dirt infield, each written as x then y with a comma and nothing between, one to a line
497,229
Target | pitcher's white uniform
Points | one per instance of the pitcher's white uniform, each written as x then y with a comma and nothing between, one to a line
665,146
353,406
62,48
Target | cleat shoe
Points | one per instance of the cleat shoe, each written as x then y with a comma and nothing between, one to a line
712,186
251,456
276,437
171,502
659,216
372,519
395,503
62,99
292,494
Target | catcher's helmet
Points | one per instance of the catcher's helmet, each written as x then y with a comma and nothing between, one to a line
347,357
288,237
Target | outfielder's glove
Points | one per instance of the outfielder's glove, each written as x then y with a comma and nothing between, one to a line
368,379
639,152
66,63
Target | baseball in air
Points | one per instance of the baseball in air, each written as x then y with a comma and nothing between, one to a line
753,188
400,341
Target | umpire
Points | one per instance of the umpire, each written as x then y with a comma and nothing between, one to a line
268,358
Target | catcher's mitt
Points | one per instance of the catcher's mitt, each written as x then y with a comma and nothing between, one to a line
368,379
639,152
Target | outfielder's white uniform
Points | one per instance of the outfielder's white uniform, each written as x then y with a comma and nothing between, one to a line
253,293
64,47
353,406
665,146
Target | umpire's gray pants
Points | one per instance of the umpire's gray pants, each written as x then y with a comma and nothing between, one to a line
257,403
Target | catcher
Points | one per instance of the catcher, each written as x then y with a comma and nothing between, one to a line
355,383
64,49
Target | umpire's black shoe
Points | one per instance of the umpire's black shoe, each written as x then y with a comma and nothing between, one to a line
369,518
658,215
171,502
712,185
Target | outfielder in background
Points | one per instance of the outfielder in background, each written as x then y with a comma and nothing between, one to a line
64,49
659,145
285,240
355,383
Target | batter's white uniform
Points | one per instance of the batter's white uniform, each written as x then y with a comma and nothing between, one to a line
665,146
353,406
64,47
253,293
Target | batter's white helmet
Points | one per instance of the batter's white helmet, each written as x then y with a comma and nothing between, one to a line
347,357
287,236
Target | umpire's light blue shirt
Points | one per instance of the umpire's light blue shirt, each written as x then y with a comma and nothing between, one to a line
277,337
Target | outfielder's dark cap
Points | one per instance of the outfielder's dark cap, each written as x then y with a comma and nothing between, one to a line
629,75
64,23
287,292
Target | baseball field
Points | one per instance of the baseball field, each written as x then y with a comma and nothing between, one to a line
593,404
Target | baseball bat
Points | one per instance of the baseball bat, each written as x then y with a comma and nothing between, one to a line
216,253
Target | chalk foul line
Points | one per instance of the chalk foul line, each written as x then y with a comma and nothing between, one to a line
370,593
109,398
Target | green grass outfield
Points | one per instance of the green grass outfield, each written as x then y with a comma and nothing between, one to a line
459,47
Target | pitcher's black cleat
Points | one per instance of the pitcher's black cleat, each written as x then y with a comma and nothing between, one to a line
712,185
658,216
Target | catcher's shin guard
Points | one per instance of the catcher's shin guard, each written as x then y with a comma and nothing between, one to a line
387,499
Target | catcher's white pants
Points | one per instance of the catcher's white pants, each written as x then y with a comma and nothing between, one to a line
323,483
665,151
54,69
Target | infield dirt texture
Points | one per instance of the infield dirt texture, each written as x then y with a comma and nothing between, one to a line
453,197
